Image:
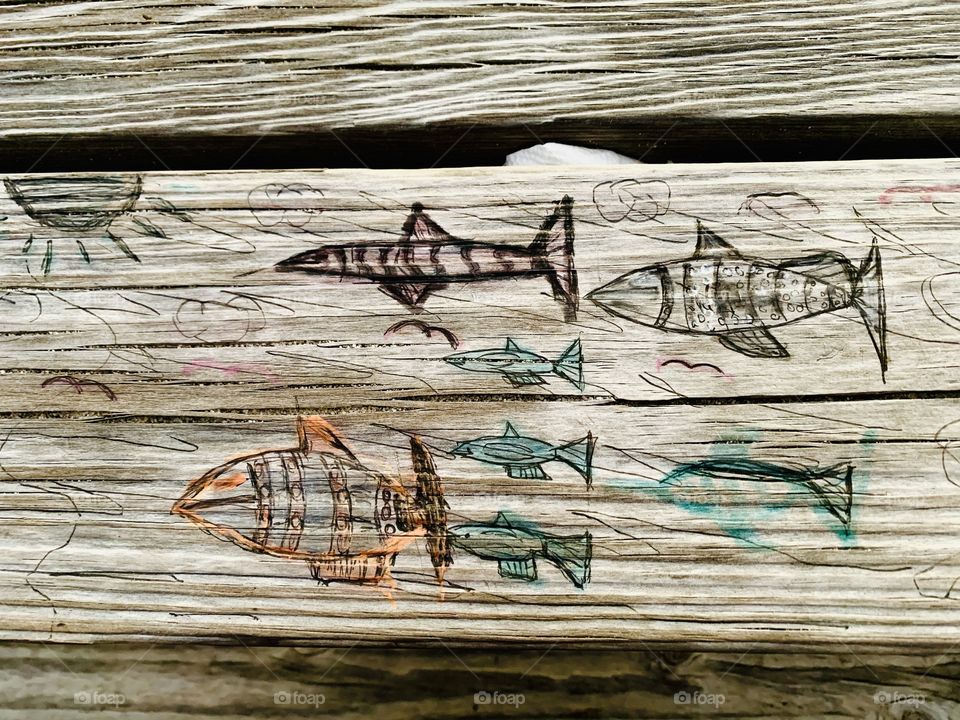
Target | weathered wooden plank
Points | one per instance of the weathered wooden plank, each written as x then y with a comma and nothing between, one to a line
204,303
780,489
175,67
237,682
701,563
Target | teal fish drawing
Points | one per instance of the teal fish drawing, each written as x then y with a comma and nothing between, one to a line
516,545
521,367
831,487
523,457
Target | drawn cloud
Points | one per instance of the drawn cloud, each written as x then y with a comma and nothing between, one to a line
631,200
279,204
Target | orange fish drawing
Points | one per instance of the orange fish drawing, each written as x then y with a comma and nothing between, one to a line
316,502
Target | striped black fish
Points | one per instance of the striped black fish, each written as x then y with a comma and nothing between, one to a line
426,259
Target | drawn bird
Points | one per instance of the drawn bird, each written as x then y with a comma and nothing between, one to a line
316,502
427,259
737,298
523,457
516,545
521,367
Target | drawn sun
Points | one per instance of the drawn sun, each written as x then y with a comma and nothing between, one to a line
81,208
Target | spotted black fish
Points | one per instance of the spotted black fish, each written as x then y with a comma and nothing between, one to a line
426,259
717,291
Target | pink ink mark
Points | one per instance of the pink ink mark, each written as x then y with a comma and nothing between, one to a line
232,369
695,367
925,192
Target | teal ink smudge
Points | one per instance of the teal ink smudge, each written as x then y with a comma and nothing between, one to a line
725,487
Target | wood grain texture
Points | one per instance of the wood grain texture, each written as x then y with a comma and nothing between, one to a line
179,346
273,68
115,680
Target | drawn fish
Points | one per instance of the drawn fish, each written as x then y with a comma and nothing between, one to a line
427,259
522,457
832,487
717,291
521,367
316,502
515,546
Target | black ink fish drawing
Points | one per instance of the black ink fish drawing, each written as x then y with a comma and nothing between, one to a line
832,487
81,207
426,259
316,502
516,545
521,367
523,457
737,298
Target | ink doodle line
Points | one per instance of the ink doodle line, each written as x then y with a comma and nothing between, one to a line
79,385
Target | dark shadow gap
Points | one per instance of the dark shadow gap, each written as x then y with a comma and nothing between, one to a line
679,140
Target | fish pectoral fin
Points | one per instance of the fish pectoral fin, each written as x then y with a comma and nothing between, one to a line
527,472
758,343
413,295
521,379
518,569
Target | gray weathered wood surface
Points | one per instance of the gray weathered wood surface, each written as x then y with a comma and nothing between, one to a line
123,379
159,68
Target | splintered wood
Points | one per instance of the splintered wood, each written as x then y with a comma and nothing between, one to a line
253,68
608,406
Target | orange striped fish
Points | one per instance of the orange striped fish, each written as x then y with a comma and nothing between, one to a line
316,502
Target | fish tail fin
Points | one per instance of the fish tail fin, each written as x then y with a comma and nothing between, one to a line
571,555
569,366
834,489
869,300
554,246
432,504
579,456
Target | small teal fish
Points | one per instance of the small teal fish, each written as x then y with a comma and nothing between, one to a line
522,456
521,367
517,545
831,486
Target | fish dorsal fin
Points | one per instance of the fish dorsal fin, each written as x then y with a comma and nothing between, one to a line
511,345
502,520
420,227
709,244
511,431
317,435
